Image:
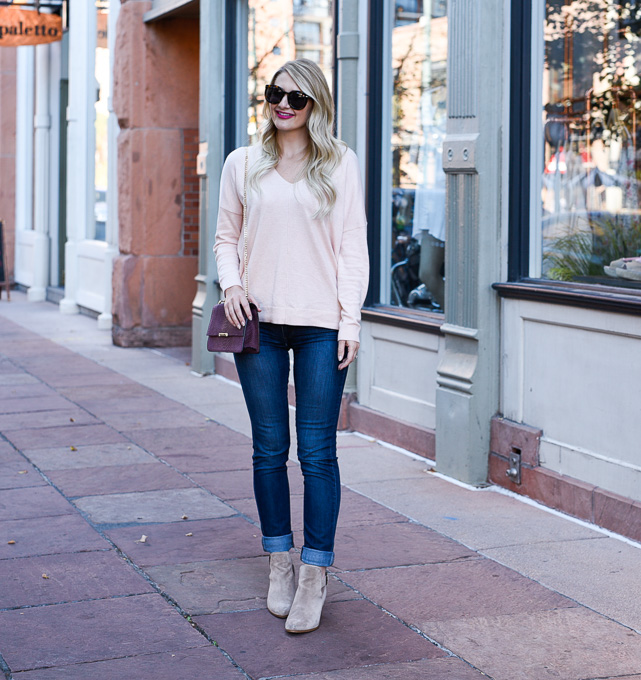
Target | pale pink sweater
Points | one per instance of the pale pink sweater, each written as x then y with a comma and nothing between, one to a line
302,271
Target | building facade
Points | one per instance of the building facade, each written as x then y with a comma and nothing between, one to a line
499,146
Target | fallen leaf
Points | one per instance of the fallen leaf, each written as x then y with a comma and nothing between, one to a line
142,539
189,534
44,576
22,472
72,420
184,517
11,542
73,448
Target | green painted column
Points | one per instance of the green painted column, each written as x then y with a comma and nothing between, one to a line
467,394
210,161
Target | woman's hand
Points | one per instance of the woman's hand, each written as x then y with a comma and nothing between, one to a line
347,352
237,306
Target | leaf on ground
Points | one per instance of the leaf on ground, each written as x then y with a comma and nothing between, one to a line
73,448
72,420
184,517
22,472
45,576
142,539
189,534
12,542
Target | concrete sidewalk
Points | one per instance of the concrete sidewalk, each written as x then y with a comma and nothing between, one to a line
129,543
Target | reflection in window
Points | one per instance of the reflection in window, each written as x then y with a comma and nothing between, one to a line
419,53
590,187
103,85
280,30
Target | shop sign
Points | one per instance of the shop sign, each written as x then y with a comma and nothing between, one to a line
28,27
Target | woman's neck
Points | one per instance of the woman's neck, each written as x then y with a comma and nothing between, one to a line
294,144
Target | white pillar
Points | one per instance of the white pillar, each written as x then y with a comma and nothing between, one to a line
24,158
80,141
55,73
42,125
111,231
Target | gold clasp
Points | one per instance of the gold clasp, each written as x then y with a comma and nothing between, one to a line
223,335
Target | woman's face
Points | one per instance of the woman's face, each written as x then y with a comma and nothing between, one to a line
284,117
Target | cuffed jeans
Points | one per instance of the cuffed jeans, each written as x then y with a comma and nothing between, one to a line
319,388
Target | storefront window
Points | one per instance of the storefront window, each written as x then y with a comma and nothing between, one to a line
103,85
280,30
418,113
590,179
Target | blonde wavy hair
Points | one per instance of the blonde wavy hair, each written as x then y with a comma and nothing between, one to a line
324,152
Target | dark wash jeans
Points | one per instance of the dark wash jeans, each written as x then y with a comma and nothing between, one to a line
319,388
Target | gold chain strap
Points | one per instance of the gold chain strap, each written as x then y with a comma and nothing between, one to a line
245,222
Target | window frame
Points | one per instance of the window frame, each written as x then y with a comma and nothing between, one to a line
524,78
377,193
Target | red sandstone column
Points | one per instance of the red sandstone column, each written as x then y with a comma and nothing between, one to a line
156,102
8,149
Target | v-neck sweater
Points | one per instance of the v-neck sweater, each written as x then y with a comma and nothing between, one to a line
302,271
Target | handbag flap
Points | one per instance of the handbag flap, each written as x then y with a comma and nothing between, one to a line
220,327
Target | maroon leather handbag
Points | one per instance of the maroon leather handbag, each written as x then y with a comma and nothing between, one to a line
222,336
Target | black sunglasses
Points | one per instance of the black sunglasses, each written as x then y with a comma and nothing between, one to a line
297,99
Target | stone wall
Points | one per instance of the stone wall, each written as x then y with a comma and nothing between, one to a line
8,150
156,102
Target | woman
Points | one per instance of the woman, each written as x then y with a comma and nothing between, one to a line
308,273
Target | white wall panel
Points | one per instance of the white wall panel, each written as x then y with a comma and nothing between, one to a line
90,292
397,372
576,374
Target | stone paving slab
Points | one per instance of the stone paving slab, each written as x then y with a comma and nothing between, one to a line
117,479
171,417
200,663
106,406
63,458
16,473
27,391
41,419
65,533
453,590
33,404
479,519
429,669
18,378
569,644
179,439
9,455
236,484
374,638
356,465
108,394
71,577
38,501
63,634
96,377
392,545
355,510
216,539
71,435
152,506
621,563
212,587
212,459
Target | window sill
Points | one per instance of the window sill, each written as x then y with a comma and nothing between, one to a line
428,322
590,296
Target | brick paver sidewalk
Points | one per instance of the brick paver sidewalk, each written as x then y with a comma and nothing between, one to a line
129,548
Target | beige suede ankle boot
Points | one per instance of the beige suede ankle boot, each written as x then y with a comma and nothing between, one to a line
309,600
281,584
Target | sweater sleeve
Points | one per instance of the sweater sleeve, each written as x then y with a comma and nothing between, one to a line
229,224
353,258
